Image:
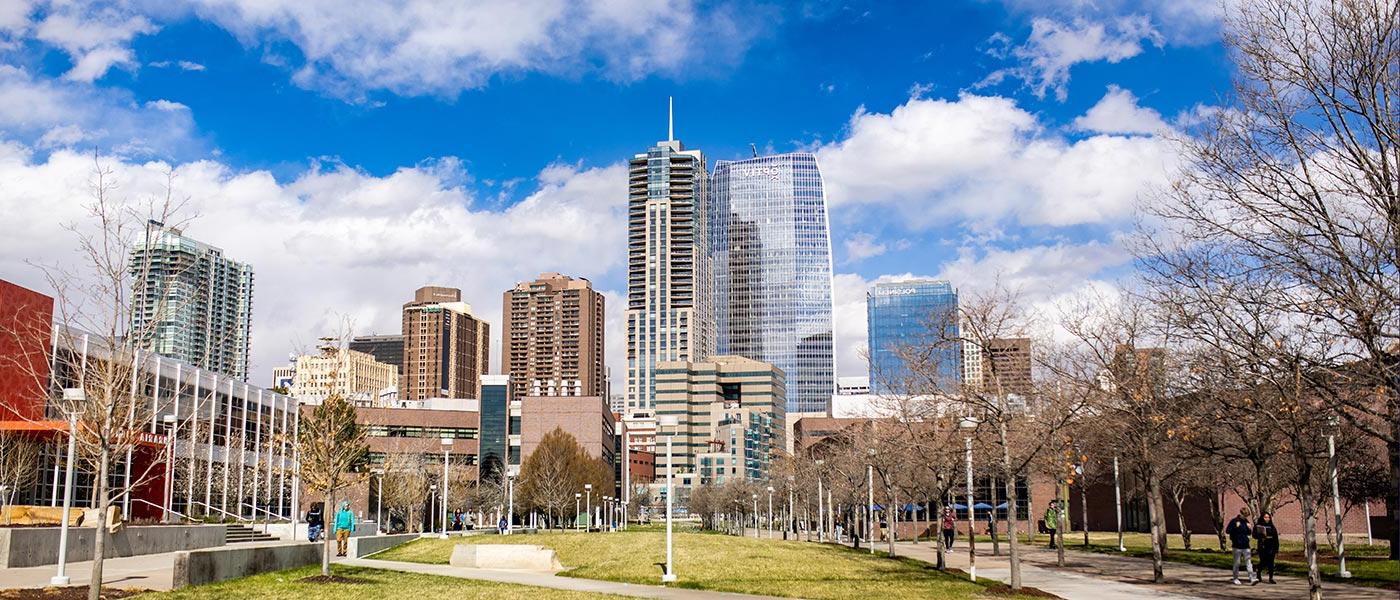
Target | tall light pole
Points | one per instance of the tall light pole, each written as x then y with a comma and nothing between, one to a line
870,503
755,516
510,503
668,422
432,511
790,522
968,425
379,504
1336,497
1117,504
446,454
578,496
821,515
61,578
606,523
588,490
770,512
170,437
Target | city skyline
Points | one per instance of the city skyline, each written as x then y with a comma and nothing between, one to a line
346,186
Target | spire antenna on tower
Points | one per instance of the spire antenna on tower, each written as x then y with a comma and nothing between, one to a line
670,118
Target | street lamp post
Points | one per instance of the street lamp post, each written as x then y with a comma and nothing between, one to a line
588,490
379,504
432,509
870,504
790,522
170,437
770,512
1336,497
755,516
578,496
670,422
446,454
821,514
510,503
968,424
1118,504
61,578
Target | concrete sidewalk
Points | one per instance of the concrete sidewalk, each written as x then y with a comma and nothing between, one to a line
144,572
549,580
1091,576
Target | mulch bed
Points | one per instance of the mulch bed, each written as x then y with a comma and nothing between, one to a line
334,579
64,593
1002,589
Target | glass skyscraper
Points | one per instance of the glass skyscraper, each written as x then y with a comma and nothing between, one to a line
916,319
772,248
190,302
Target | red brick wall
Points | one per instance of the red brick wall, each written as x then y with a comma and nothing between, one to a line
26,319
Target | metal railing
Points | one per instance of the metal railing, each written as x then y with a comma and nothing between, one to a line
227,513
269,513
162,508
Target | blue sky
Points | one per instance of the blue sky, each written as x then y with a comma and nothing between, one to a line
354,150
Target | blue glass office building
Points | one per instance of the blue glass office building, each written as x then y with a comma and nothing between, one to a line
772,262
920,315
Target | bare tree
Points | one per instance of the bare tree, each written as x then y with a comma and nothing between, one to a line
1297,181
332,452
405,485
19,466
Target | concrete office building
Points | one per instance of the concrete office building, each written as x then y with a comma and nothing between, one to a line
284,376
355,376
387,349
552,337
1005,361
914,314
446,347
772,250
191,303
670,281
732,417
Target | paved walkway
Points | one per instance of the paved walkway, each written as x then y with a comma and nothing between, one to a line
549,580
145,572
1093,576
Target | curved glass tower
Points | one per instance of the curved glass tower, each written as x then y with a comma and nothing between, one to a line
772,265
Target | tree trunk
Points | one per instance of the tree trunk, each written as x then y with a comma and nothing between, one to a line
99,537
1030,516
1217,517
327,532
1010,482
1392,501
1159,526
1181,522
942,558
1084,510
1310,541
1061,521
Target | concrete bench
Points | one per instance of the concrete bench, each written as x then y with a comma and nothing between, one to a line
518,557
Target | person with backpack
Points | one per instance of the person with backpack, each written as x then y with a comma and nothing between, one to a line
315,522
1239,532
1267,535
949,527
1052,520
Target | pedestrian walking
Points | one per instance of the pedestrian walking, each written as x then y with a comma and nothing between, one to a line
502,526
949,527
344,524
1239,532
315,522
1052,520
1267,534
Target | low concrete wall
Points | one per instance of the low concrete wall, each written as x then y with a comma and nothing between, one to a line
521,557
36,546
199,567
284,530
366,545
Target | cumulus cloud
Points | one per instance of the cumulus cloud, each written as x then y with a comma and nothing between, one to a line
1054,47
95,39
985,161
440,47
335,240
1180,21
1118,112
52,113
862,246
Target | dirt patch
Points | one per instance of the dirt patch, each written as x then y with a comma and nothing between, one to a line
334,579
1002,589
63,593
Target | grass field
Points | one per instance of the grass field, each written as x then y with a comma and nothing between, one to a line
363,584
727,563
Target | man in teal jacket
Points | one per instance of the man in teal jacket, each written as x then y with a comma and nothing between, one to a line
344,524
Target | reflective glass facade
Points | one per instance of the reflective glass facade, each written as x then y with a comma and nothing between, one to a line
495,404
772,262
910,314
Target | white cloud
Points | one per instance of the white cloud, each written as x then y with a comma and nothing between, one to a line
440,47
1118,112
1180,21
190,65
862,246
1054,47
64,113
984,161
96,39
337,241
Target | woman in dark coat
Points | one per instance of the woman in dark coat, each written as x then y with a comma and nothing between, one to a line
1267,535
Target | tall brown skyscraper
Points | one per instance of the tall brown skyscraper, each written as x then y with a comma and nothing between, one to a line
1006,358
553,339
446,349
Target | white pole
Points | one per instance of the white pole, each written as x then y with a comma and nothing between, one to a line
62,577
670,574
379,505
971,517
1118,504
870,506
588,488
1369,539
770,512
821,514
510,514
445,452
1337,508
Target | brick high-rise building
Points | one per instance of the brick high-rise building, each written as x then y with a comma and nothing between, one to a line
1007,359
552,343
446,347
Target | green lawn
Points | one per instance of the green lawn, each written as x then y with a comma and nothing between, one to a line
368,584
1368,564
726,563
